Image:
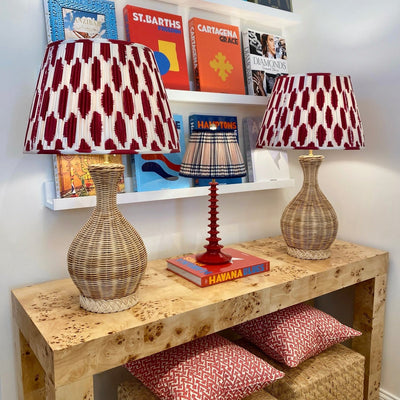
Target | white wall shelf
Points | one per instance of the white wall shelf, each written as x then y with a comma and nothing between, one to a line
167,194
192,101
256,13
187,96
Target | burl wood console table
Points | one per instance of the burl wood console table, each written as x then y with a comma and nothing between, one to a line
62,346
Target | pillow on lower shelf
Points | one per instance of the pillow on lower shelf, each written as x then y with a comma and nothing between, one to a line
296,333
208,368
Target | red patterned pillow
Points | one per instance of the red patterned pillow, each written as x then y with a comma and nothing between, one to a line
296,333
208,368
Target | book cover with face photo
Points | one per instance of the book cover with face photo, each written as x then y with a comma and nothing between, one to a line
265,58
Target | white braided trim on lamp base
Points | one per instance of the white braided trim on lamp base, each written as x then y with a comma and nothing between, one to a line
108,306
309,254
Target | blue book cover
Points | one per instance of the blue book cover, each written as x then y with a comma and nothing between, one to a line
221,122
80,19
160,171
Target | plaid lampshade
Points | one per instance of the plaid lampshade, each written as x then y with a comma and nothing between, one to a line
213,154
100,96
312,111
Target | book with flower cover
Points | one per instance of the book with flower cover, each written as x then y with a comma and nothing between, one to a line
216,56
160,171
72,177
163,33
241,266
265,58
218,122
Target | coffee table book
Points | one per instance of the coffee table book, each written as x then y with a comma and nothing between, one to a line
163,33
241,266
216,56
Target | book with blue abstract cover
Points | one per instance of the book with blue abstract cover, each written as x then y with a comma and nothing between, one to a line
160,171
220,122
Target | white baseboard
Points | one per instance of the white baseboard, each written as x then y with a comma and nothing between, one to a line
383,395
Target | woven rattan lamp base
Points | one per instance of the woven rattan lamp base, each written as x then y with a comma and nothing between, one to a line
308,254
108,306
309,224
107,258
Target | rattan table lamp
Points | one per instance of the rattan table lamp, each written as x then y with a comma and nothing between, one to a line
102,96
213,154
311,111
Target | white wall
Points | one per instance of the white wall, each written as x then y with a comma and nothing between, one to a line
34,240
356,38
360,38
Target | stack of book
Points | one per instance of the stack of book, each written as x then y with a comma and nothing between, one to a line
242,265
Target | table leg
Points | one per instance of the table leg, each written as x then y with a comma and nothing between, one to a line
80,390
32,386
36,385
369,313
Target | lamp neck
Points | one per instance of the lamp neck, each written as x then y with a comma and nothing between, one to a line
105,178
310,165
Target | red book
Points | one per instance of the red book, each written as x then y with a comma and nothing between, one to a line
163,33
241,265
217,56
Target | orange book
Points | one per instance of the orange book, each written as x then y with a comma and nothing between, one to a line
217,57
163,33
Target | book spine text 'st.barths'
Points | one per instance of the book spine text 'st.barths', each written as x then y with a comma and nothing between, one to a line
163,33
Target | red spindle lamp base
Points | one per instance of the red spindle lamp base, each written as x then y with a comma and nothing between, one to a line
213,255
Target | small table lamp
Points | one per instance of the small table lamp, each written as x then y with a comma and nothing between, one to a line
99,96
213,154
311,111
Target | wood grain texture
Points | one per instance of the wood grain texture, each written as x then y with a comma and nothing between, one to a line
370,297
72,344
32,373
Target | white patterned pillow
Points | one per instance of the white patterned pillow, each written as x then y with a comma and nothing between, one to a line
296,333
208,368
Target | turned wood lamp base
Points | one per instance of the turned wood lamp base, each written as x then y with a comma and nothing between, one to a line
213,255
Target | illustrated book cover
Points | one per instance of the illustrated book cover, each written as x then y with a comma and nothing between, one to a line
160,171
72,177
241,265
262,164
265,58
218,122
163,33
216,56
80,19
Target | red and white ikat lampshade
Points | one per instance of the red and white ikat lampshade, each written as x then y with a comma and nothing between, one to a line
312,111
100,96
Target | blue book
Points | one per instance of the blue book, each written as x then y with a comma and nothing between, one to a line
80,19
160,171
221,122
